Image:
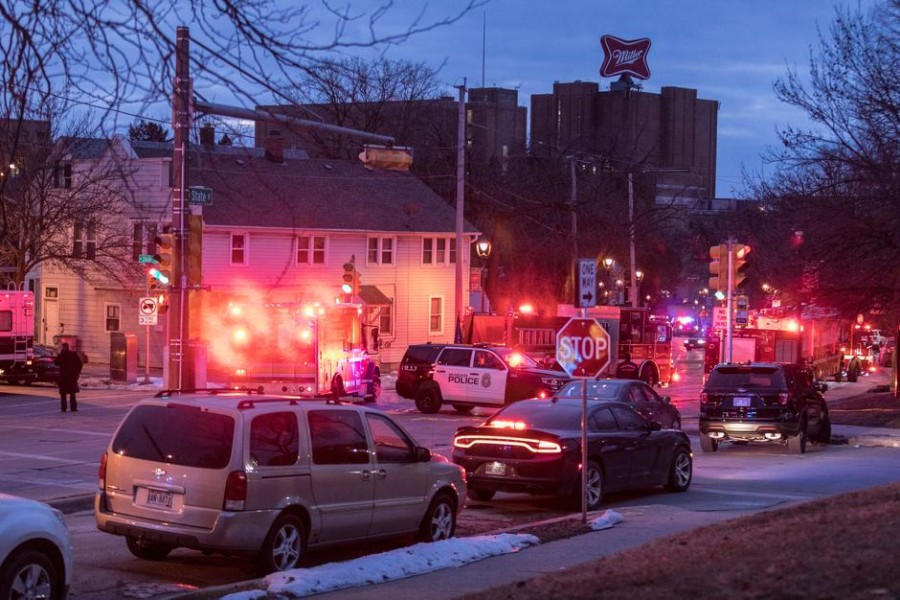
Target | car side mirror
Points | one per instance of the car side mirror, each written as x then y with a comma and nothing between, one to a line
423,454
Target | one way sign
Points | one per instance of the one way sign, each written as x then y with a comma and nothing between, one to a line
586,269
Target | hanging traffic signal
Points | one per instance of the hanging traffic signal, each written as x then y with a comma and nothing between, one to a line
195,250
349,282
718,267
166,261
739,263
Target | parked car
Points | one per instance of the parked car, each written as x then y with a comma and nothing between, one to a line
36,555
638,394
41,369
267,477
762,402
534,446
472,375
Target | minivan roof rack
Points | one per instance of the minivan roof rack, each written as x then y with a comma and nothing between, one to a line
210,391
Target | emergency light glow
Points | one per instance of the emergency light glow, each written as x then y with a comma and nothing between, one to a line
240,335
501,424
306,335
793,326
514,359
234,310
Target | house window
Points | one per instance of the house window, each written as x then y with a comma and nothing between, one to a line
238,249
381,251
84,240
311,249
142,241
62,175
381,318
113,317
435,314
438,251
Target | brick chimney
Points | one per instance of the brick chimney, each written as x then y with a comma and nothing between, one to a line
275,147
208,136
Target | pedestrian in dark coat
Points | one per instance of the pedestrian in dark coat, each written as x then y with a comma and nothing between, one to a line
627,369
70,366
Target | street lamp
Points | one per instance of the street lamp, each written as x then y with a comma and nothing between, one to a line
483,250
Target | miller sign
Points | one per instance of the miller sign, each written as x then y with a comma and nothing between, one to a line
625,56
582,348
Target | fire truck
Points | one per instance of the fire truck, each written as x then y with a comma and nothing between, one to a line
813,339
292,348
645,337
16,335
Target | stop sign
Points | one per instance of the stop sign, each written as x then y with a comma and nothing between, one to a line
582,348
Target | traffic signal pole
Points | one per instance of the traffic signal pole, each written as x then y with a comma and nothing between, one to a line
176,374
729,303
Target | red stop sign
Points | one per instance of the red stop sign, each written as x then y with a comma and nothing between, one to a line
582,348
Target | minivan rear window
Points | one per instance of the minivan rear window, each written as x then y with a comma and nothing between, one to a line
176,435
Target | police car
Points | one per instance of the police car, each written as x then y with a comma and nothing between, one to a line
467,376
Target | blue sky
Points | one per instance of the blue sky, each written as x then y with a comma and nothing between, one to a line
729,50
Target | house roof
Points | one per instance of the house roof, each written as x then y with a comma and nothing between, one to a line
250,190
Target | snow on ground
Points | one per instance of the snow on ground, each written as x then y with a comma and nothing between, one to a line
398,564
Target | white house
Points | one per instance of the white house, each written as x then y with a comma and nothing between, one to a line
280,227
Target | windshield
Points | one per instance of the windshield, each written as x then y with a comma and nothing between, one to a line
516,359
605,390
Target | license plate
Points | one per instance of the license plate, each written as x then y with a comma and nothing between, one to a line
159,498
495,468
741,401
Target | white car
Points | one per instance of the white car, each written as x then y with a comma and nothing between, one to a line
35,550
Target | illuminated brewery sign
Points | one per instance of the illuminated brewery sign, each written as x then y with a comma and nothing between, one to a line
625,56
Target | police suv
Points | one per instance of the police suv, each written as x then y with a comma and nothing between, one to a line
467,376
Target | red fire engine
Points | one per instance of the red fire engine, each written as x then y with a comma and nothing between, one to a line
813,339
647,338
291,348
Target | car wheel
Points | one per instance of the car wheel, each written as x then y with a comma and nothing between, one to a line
440,520
593,490
680,472
481,495
823,436
797,443
707,444
428,400
284,546
650,377
463,409
146,549
30,574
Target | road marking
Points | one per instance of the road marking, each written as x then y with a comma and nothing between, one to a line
53,459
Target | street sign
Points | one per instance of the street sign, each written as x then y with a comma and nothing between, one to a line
587,283
582,348
147,319
148,309
146,258
200,195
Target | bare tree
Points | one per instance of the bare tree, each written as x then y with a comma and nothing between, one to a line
833,201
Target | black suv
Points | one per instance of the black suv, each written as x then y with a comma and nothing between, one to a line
762,402
472,375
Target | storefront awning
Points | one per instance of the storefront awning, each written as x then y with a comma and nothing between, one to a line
372,296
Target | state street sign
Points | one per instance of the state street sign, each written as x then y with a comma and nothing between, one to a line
582,348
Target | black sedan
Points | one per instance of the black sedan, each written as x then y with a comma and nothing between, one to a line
693,343
41,369
534,446
638,394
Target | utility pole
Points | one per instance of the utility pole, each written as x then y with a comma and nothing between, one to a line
460,205
573,201
178,376
632,289
729,303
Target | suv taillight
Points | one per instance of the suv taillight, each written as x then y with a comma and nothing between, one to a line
101,472
235,491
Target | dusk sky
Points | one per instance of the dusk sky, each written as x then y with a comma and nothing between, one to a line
728,50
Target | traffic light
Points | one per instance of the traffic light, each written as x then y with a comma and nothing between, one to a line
195,250
738,263
350,282
718,267
166,262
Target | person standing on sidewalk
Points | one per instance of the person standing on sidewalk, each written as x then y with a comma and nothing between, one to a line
70,366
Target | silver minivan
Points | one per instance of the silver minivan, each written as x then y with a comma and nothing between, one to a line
268,477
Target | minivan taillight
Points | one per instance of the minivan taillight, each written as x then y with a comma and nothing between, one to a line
235,491
101,472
